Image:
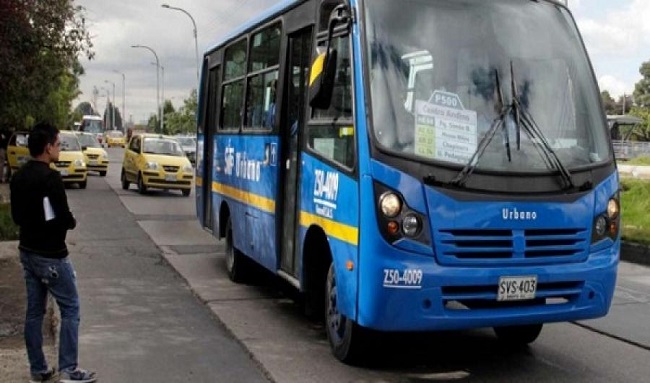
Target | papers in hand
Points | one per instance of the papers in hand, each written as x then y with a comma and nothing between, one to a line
47,209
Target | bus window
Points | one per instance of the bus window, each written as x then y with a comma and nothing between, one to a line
335,141
233,88
261,98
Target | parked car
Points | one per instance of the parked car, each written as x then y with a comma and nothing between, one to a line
17,152
156,161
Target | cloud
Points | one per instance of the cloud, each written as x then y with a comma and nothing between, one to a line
614,86
118,24
621,31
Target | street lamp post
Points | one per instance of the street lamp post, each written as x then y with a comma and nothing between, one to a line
112,105
157,82
196,41
123,97
162,87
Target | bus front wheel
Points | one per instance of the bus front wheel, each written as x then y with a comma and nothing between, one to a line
346,338
518,335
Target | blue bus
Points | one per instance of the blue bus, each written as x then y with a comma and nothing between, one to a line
414,165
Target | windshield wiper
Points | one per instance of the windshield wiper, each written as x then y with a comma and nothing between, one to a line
498,122
524,119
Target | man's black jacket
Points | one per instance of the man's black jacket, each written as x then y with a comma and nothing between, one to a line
29,186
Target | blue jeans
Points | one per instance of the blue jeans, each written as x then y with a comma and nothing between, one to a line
56,276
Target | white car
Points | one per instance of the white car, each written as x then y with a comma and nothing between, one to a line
189,147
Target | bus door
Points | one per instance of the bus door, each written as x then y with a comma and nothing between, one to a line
299,50
208,146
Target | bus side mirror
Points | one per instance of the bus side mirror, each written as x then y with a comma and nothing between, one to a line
323,69
321,80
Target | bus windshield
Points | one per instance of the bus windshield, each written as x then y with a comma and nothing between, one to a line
443,72
91,126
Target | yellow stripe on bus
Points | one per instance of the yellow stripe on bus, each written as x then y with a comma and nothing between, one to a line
343,232
251,199
199,181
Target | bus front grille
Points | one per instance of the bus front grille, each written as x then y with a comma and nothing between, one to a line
466,247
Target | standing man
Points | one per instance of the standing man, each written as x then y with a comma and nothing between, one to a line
40,207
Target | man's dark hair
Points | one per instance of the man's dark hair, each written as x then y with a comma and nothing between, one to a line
41,134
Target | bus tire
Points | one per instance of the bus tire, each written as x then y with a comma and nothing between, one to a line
346,338
235,260
518,335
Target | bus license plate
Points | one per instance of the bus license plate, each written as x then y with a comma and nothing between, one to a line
517,288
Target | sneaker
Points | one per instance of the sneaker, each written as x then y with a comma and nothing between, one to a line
43,376
78,376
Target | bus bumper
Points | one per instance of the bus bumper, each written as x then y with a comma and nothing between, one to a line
453,298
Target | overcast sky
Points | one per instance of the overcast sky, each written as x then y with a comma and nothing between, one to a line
616,33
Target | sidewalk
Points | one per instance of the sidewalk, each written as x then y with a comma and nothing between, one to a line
13,357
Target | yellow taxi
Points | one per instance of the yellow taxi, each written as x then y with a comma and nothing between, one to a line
154,161
96,158
17,152
114,138
71,163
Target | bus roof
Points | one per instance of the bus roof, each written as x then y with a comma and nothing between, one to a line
267,14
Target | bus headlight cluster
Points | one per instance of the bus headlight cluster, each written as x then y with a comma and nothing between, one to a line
606,225
396,219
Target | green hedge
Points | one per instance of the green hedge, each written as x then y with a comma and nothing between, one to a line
8,230
635,205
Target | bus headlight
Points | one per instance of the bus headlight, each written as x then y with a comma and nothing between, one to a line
411,225
390,204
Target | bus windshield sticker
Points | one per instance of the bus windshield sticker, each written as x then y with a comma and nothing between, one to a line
444,130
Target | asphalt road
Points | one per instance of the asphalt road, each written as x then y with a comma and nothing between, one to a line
139,314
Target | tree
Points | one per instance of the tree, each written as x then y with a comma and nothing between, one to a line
39,67
642,88
184,120
108,117
608,102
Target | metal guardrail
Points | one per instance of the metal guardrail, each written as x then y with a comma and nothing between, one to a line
626,150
